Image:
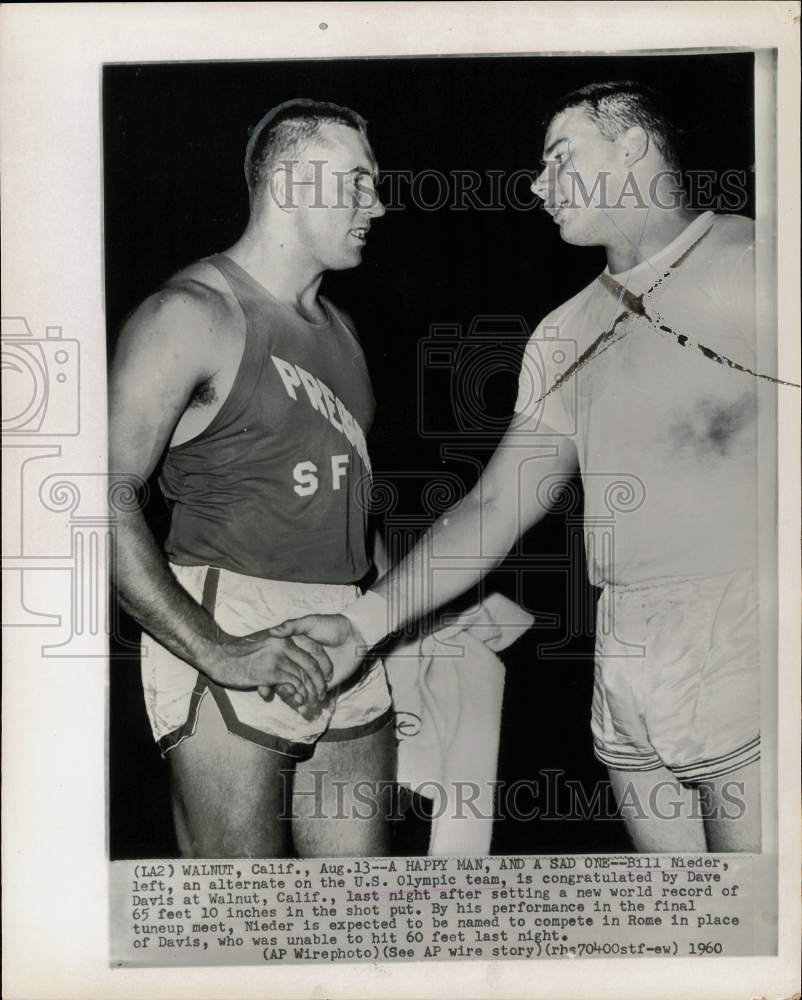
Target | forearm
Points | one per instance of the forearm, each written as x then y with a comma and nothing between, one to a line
149,592
450,558
469,541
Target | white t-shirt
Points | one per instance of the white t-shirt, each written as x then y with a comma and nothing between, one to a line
666,437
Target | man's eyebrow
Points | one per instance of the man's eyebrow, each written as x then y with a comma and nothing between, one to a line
364,171
552,147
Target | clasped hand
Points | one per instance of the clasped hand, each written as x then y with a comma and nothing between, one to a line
301,660
335,636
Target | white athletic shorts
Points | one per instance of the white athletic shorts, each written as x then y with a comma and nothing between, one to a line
240,605
677,677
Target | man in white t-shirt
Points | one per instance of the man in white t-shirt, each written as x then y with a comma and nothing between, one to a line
645,382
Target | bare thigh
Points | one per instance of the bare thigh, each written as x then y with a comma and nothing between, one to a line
229,796
732,810
663,815
660,813
342,797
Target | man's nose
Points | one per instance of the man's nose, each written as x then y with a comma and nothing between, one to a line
375,205
542,183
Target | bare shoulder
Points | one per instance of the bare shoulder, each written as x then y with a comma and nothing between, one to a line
190,319
186,337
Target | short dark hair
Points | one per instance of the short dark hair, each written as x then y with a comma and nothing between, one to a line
617,105
283,132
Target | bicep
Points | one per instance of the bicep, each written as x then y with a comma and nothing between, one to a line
152,377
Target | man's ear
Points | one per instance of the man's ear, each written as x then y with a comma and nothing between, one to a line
279,187
635,143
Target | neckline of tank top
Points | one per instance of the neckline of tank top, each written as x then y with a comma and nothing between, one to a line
249,278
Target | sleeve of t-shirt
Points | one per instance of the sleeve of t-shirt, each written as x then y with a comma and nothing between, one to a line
734,289
742,301
542,364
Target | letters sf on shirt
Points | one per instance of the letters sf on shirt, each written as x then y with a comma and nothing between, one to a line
319,396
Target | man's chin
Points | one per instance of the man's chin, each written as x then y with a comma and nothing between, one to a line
574,235
347,262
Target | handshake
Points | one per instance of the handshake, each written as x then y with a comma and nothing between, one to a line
303,659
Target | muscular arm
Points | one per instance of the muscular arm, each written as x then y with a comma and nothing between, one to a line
167,348
474,537
462,546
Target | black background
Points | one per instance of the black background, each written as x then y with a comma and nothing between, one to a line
174,137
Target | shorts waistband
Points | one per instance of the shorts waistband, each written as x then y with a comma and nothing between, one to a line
658,582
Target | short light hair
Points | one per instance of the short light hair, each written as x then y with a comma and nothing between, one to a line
618,105
286,129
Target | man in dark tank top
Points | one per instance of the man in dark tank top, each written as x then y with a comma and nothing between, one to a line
253,389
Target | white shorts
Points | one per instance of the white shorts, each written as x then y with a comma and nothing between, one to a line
240,605
678,676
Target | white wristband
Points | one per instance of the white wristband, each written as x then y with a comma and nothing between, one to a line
369,614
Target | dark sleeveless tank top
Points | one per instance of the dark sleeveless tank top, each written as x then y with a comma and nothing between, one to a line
277,485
